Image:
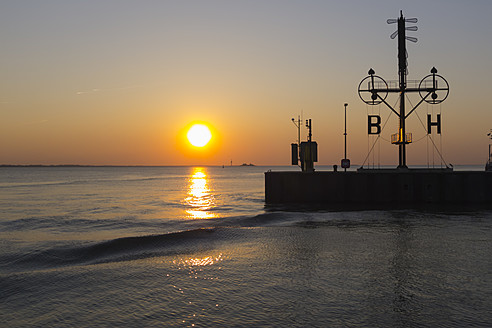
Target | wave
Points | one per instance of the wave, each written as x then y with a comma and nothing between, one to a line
194,235
263,220
68,223
198,236
39,183
116,250
82,181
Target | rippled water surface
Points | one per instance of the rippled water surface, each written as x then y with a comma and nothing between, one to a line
195,247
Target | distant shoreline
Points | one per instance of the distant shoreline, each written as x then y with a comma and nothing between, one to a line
89,165
197,165
69,165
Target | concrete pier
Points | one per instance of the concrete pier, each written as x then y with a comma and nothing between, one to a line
379,188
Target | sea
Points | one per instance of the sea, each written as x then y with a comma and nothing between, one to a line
198,247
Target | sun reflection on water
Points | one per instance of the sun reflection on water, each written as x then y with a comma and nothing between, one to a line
200,198
199,261
199,267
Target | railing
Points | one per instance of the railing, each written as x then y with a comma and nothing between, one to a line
396,138
395,84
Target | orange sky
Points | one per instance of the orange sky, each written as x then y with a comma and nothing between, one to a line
117,83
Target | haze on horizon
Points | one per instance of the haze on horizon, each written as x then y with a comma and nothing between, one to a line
118,82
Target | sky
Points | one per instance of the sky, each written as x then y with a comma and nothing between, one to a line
115,82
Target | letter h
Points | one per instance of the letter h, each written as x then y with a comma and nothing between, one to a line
430,124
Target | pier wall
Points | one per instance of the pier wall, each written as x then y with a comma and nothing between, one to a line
379,187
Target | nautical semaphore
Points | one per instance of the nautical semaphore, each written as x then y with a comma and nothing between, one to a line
402,186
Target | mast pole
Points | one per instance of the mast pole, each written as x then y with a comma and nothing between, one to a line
345,136
402,72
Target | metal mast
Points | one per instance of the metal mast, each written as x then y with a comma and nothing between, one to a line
402,73
376,91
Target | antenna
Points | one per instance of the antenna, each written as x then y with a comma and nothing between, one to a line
296,156
309,127
297,123
402,27
411,38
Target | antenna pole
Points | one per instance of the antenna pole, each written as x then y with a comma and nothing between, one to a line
309,126
298,130
402,70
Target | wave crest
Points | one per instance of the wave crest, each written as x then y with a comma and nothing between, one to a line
120,249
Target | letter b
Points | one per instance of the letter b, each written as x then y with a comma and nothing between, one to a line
371,124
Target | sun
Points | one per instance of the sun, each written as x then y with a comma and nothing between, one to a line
199,135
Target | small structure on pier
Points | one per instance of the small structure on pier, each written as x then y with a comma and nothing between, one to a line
304,152
488,165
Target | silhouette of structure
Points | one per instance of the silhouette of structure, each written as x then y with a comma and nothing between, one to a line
488,165
345,161
369,188
373,90
305,152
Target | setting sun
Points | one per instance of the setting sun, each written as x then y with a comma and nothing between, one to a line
199,135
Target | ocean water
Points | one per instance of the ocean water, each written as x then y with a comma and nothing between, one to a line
196,247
